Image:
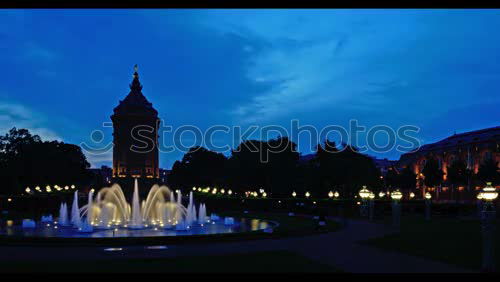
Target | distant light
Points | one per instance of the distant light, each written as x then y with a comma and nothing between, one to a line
229,192
156,247
412,195
336,194
113,249
396,195
294,194
489,193
308,194
330,194
9,200
428,195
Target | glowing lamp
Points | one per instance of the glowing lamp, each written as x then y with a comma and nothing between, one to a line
364,193
372,196
27,189
222,191
9,200
489,193
330,194
264,194
294,194
381,194
229,192
412,195
428,196
72,186
396,195
194,188
308,194
336,194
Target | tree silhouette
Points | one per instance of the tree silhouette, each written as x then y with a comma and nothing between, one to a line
489,171
25,160
432,172
456,174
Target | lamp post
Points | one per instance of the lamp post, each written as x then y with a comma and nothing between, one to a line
479,205
428,202
396,208
372,204
364,194
488,195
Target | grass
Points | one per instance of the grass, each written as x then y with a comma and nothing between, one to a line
289,225
258,262
451,240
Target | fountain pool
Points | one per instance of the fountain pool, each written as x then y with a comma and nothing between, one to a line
108,214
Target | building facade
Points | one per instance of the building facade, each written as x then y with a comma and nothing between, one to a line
135,135
472,147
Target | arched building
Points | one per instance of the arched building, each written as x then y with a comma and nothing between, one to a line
472,147
135,135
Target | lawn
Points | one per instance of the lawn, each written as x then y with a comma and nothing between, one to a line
450,240
272,261
289,225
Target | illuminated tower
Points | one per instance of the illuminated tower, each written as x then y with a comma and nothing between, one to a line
135,135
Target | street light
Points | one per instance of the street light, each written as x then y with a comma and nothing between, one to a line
428,198
336,194
372,204
308,194
294,194
396,208
381,194
488,195
412,195
330,194
364,194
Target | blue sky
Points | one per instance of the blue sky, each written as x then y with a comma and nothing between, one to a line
63,71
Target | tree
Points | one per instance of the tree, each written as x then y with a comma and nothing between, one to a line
432,173
271,165
456,174
199,167
407,179
392,178
26,160
345,167
489,171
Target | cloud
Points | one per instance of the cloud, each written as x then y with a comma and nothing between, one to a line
356,62
20,116
36,52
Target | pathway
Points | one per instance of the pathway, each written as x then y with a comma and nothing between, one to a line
338,249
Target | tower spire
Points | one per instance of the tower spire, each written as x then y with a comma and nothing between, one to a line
136,86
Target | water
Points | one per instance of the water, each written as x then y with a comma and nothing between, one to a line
108,214
212,227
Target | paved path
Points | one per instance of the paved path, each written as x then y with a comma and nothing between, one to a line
338,249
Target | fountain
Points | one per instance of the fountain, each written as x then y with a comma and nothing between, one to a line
63,215
228,221
46,219
136,222
161,213
28,223
75,212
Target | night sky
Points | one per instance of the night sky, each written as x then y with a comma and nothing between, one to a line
63,71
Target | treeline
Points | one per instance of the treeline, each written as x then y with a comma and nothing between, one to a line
276,167
27,161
